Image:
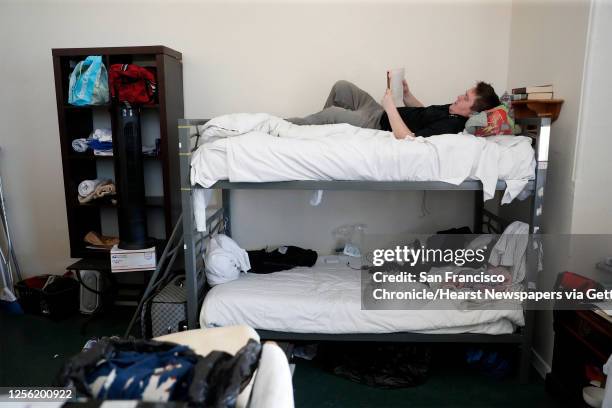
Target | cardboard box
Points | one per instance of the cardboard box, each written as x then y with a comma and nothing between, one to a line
128,260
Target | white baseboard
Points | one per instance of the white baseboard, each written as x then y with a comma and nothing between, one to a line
539,364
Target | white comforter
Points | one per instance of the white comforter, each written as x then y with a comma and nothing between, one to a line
261,147
327,299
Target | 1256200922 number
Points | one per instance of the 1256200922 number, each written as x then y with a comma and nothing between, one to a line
35,394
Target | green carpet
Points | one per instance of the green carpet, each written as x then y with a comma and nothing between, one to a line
446,387
32,349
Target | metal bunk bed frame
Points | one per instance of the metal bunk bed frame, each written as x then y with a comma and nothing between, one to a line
193,242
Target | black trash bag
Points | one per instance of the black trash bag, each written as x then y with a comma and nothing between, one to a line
380,365
220,377
211,381
281,259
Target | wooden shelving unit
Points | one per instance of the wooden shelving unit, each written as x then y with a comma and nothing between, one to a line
158,121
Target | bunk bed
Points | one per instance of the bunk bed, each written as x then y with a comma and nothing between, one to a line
193,242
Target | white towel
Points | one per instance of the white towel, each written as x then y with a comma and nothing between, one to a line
201,197
102,135
510,250
88,187
80,145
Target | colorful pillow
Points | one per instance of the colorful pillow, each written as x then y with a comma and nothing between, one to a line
496,121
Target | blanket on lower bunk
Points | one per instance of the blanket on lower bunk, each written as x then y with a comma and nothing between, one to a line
264,148
327,298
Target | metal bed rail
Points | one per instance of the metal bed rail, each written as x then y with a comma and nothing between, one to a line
536,128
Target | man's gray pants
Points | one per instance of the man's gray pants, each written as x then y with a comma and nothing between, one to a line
347,103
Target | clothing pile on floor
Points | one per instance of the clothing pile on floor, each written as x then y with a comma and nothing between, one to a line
90,190
380,365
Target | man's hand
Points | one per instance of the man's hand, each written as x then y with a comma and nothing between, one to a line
387,101
406,91
409,99
399,128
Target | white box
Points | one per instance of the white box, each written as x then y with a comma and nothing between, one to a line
128,260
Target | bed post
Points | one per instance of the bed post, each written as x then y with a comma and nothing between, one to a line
478,206
227,221
542,142
191,278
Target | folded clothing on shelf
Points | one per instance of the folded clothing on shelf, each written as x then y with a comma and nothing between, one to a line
80,145
152,151
102,135
93,189
98,240
100,141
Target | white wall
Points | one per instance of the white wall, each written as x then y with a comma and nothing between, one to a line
568,44
250,56
547,46
592,186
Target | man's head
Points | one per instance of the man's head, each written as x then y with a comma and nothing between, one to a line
477,99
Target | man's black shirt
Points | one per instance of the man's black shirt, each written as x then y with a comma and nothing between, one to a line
427,121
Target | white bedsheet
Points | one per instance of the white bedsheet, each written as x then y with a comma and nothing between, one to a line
261,147
326,299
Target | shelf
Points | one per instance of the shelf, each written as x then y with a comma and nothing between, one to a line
537,108
73,107
151,201
88,156
158,121
107,106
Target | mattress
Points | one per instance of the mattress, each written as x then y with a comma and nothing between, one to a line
275,150
327,299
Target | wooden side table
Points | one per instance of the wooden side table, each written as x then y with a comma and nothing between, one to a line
540,108
582,338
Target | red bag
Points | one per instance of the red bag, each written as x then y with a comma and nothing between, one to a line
132,83
569,280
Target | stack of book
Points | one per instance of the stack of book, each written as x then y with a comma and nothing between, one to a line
533,93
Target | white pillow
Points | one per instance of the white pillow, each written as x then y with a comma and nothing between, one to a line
224,260
234,124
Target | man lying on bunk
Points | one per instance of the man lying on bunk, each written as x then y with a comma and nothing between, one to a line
347,103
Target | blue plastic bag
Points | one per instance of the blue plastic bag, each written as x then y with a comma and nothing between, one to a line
89,83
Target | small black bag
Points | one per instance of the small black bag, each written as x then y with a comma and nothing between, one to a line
54,296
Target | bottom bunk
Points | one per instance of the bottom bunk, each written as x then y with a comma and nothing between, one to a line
326,299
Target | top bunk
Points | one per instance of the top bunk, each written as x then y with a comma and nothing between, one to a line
190,139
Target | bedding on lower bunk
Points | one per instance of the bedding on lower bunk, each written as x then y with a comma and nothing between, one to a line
264,148
327,299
